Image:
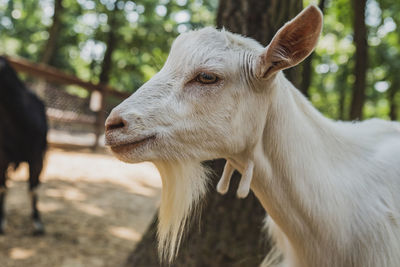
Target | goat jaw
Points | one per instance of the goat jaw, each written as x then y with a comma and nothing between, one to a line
245,181
223,184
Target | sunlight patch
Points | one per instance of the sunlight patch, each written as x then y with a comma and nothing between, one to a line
124,233
90,209
21,253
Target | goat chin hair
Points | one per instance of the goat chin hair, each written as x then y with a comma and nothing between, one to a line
184,185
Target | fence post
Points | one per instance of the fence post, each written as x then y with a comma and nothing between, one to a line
100,116
51,74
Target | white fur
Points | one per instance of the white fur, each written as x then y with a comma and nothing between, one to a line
331,189
184,184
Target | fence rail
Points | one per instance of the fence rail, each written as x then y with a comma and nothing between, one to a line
51,74
54,75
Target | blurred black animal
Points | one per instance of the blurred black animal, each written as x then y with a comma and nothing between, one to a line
23,130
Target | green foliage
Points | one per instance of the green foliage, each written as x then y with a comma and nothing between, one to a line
334,60
144,31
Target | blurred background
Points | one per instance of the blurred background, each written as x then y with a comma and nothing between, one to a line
84,57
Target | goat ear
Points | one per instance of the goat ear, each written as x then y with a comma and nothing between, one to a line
292,43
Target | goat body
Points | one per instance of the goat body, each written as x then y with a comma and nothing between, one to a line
23,130
331,189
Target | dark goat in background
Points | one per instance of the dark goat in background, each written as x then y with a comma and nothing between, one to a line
23,130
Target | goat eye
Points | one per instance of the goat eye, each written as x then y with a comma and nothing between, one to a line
206,78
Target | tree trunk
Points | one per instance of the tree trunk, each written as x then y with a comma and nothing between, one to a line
230,230
307,65
260,20
342,96
360,70
104,76
51,44
392,101
110,47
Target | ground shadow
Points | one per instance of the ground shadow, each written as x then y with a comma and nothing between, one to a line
90,221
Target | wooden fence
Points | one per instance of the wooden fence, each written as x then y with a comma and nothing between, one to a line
52,74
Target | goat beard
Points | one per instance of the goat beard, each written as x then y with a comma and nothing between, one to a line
184,185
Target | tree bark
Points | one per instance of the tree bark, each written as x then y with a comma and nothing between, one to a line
392,101
307,64
260,20
342,95
230,230
51,44
106,64
360,70
104,76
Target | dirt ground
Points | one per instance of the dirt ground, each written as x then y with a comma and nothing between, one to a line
94,208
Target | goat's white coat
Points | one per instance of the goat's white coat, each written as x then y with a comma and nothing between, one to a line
331,189
181,181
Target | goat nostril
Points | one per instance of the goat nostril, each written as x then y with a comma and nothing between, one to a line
114,124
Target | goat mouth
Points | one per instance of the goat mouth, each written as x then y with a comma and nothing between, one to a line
128,146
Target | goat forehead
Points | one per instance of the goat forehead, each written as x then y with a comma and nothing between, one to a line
210,44
197,48
204,38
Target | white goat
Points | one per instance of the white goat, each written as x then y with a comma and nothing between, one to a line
331,189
